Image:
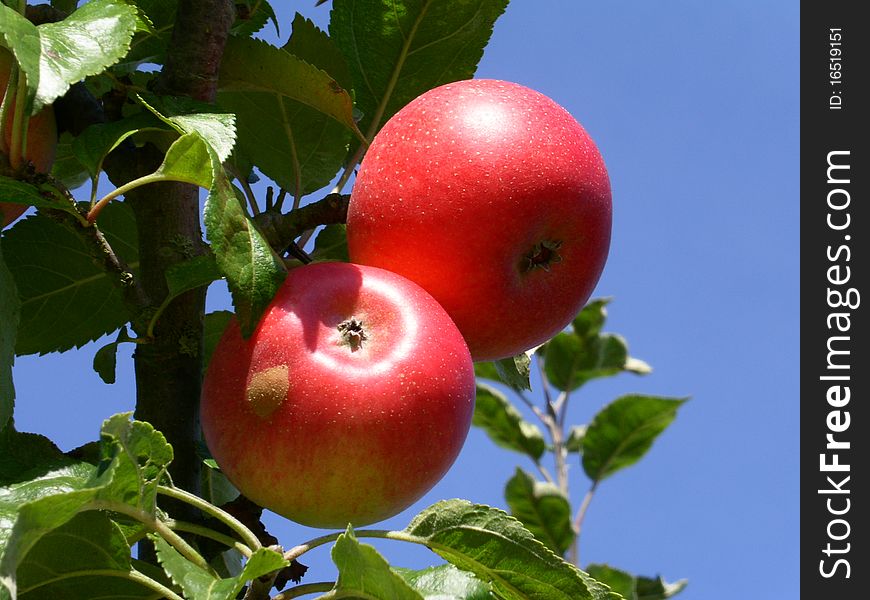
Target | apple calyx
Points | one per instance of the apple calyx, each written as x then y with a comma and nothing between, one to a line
353,334
543,255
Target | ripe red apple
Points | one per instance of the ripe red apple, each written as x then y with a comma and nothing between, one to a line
41,140
496,201
350,401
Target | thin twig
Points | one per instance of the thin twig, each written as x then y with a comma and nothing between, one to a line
305,589
545,384
578,523
534,408
158,527
229,520
249,193
297,551
545,473
281,229
209,533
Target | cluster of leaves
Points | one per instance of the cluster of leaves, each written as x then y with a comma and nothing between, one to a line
298,114
618,435
56,510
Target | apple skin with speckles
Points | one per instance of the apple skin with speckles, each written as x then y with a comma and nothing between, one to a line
41,140
351,399
496,201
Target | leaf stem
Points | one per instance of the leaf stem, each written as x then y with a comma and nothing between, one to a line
246,534
564,410
279,201
307,588
211,534
158,527
130,185
348,170
545,384
20,121
297,551
246,188
6,105
533,407
131,575
544,472
158,587
578,523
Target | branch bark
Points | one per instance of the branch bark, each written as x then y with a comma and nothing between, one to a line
169,369
281,229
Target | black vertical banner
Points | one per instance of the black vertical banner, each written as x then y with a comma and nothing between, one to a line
835,171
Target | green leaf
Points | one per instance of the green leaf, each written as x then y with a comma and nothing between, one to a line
66,299
499,550
574,443
30,508
106,358
24,453
10,309
248,65
570,361
256,18
315,47
216,488
397,51
87,553
542,508
573,358
18,192
198,583
66,6
505,425
92,38
186,115
591,319
515,371
149,44
635,588
619,581
623,431
446,582
486,370
23,40
191,274
649,588
254,273
67,168
331,244
214,325
98,140
141,455
363,573
189,160
294,121
134,461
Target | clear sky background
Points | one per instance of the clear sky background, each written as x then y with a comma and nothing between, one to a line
694,106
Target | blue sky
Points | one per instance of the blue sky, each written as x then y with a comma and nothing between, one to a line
695,109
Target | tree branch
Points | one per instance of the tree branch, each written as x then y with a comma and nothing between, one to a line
169,370
281,229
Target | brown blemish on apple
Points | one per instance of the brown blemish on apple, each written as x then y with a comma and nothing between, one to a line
268,389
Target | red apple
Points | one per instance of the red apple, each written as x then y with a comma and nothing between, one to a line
351,399
496,201
41,140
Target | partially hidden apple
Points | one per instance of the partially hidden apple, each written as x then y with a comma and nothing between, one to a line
496,201
41,139
351,399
